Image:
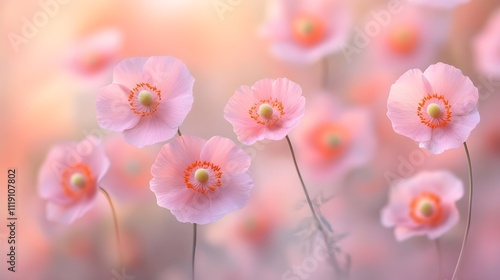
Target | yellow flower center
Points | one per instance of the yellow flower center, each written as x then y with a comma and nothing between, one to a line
201,175
434,110
78,180
145,98
265,111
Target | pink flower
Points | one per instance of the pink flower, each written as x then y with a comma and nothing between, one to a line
69,178
443,4
332,140
487,48
148,99
423,205
200,181
306,30
438,107
267,110
129,172
92,56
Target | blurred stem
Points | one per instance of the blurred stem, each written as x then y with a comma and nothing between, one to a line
335,263
194,248
117,231
325,66
439,257
469,214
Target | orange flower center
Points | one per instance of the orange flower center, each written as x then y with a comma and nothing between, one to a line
255,228
144,99
308,30
267,112
203,176
77,180
434,111
404,39
426,209
330,139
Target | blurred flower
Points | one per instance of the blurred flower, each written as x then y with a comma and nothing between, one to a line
200,181
332,140
444,4
69,178
129,172
487,48
438,107
423,205
91,57
148,100
306,31
267,110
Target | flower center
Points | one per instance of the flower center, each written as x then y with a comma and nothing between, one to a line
267,112
426,209
438,111
330,140
144,99
333,140
404,39
203,176
77,180
308,29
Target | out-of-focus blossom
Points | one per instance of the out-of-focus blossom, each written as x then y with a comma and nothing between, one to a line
306,31
267,110
442,4
423,205
487,48
148,100
129,172
332,140
69,178
200,181
437,108
91,57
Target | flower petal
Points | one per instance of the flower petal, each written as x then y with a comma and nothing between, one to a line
113,108
129,72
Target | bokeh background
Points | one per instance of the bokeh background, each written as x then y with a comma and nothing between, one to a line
48,85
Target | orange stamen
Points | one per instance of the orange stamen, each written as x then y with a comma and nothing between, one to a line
66,176
275,104
437,212
426,119
132,99
202,188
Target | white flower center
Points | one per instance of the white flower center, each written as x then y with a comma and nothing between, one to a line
78,180
434,110
426,208
145,98
265,111
201,175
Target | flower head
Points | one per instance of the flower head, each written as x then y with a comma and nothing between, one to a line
200,181
423,205
148,99
332,140
438,107
487,48
306,31
267,110
69,178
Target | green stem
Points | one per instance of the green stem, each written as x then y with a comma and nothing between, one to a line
469,214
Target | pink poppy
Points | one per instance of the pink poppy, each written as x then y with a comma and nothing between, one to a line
438,107
487,48
129,172
423,205
148,100
332,140
91,57
306,31
443,4
267,110
69,178
200,181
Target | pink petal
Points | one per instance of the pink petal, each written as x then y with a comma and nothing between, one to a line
129,72
402,105
68,214
233,195
150,130
113,110
49,176
170,75
458,89
224,153
173,112
452,218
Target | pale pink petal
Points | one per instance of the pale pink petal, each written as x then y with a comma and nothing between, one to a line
150,130
458,89
130,72
452,218
402,104
49,176
170,75
67,214
113,109
233,195
92,154
224,153
172,112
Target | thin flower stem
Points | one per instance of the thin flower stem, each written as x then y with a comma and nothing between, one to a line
179,132
469,214
194,248
117,231
309,202
440,258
